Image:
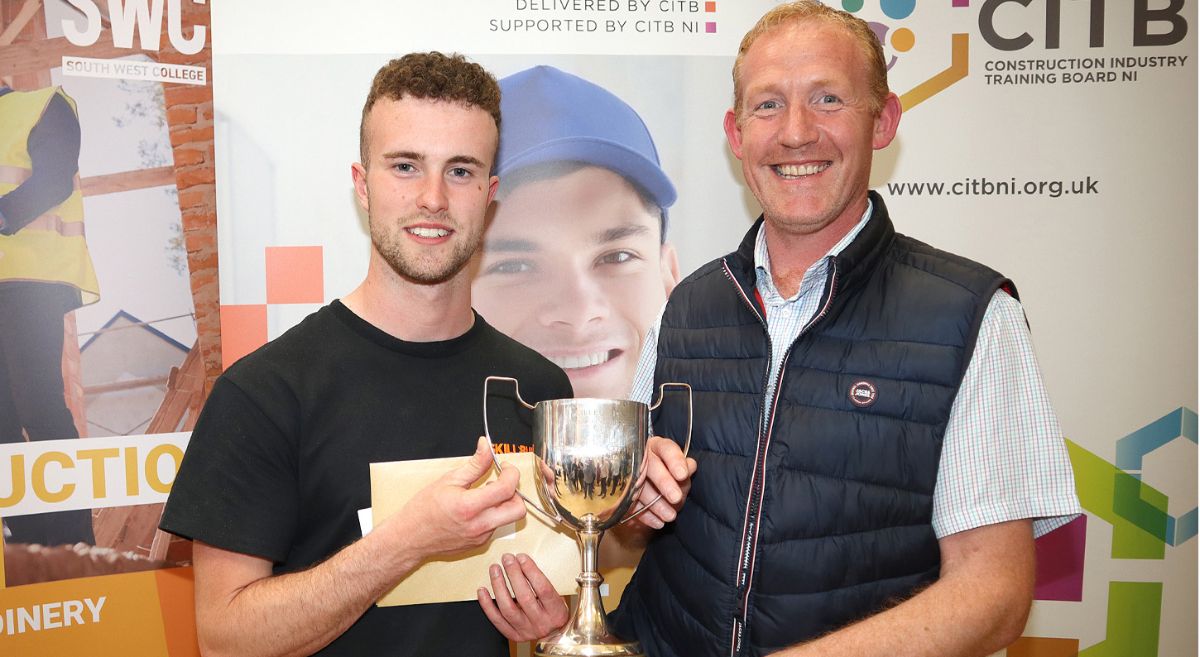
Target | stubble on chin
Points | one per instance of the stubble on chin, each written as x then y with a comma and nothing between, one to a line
411,269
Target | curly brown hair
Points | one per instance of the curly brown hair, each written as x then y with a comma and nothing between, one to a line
810,10
434,76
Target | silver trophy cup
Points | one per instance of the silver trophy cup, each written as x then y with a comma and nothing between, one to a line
591,454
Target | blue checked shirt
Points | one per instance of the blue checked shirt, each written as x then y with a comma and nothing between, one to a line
1003,456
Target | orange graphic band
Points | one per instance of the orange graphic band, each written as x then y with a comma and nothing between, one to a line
958,69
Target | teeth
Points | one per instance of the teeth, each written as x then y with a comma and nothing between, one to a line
795,171
429,232
576,362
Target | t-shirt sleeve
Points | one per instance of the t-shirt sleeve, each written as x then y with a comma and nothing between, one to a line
237,486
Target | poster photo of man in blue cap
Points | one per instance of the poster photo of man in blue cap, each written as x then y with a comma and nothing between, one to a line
575,262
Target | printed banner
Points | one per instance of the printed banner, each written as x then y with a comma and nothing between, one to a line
65,475
100,373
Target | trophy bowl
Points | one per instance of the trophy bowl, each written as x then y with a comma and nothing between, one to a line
591,455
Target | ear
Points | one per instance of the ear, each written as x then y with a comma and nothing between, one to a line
358,173
668,263
493,185
733,133
887,122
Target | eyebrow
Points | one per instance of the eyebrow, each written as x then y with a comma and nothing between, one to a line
405,155
467,159
511,246
420,157
778,87
516,245
621,232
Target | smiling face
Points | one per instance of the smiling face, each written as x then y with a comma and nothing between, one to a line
805,130
573,267
426,187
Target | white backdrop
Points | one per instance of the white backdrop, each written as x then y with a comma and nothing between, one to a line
1106,269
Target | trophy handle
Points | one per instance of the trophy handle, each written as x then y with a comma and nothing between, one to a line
687,443
492,446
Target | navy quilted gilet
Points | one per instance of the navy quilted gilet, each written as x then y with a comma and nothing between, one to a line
824,518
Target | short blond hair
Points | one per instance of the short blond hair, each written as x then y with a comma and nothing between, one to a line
811,10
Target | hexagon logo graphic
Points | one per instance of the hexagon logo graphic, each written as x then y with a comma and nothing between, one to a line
890,19
1132,453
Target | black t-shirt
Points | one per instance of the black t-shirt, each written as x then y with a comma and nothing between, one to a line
277,466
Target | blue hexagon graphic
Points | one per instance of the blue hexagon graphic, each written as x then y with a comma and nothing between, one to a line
1180,423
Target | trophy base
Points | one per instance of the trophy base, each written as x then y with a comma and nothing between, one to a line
562,646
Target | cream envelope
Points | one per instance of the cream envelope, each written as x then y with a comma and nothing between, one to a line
456,577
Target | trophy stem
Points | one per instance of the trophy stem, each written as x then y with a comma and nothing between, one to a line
587,634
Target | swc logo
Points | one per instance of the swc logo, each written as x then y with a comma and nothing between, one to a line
142,16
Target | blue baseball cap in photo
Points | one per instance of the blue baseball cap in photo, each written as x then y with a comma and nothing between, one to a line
548,115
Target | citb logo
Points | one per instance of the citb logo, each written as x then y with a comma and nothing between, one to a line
939,57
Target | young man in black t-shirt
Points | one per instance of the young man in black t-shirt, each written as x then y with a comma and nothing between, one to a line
277,467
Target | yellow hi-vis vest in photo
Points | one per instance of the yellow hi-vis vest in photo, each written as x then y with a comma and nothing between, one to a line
52,247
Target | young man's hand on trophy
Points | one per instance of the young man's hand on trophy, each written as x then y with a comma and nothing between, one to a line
600,469
532,610
450,516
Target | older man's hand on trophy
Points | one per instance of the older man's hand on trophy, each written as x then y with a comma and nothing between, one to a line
669,474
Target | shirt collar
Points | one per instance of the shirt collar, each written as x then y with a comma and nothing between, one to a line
816,271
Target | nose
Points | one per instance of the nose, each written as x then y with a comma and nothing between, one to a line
574,300
799,129
432,195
